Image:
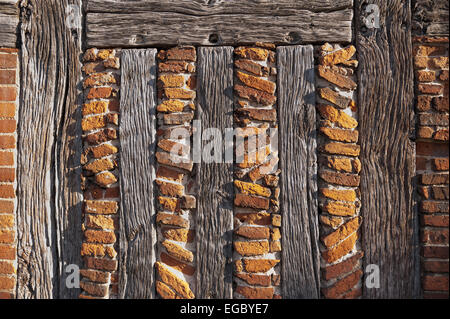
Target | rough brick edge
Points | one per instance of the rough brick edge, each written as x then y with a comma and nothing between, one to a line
176,201
100,175
257,237
9,99
339,167
432,161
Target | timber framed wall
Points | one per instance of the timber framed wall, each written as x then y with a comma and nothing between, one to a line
107,106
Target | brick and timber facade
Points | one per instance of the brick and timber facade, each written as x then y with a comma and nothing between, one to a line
114,159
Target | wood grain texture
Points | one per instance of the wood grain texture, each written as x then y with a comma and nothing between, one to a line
430,17
8,30
214,219
166,23
9,7
386,123
48,152
208,7
137,144
298,184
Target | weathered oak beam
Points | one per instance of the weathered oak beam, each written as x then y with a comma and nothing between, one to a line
386,119
214,218
205,8
137,144
298,185
8,30
167,23
9,7
49,196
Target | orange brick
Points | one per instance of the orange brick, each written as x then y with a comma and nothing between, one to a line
7,109
7,236
100,93
340,250
8,61
7,191
7,142
6,295
429,50
7,76
441,164
425,76
6,207
7,174
100,236
7,268
6,158
100,263
176,264
7,252
6,221
7,283
8,93
255,292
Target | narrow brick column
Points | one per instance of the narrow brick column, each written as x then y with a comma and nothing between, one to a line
100,177
175,202
339,168
432,161
9,86
257,223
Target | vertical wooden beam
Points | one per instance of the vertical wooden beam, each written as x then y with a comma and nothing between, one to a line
48,150
386,119
214,220
137,144
298,185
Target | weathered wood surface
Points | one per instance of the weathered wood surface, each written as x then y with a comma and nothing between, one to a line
430,17
386,121
8,27
298,185
9,7
49,147
166,23
208,7
214,218
9,20
137,144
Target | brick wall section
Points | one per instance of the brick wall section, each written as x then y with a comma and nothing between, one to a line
257,238
432,161
339,168
100,176
9,91
176,203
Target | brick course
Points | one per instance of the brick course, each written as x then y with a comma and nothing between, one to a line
256,242
9,91
100,176
432,158
339,168
175,204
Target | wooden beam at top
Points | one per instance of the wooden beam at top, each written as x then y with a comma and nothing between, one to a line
234,22
205,7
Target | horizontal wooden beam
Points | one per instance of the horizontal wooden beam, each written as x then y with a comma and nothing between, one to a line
8,30
164,23
9,7
202,8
